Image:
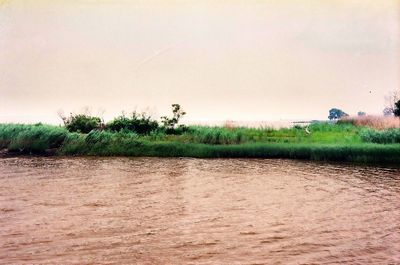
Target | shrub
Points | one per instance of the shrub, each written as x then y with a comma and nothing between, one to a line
140,124
171,123
82,123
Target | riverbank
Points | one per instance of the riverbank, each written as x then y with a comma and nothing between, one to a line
326,142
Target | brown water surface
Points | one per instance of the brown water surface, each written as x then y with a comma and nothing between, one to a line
194,211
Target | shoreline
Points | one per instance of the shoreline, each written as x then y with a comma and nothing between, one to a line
360,153
325,142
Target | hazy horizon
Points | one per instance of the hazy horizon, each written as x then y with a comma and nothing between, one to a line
243,60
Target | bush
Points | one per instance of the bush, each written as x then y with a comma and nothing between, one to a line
82,123
170,124
140,124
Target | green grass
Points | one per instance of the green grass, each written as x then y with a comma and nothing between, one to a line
326,152
31,138
320,133
389,136
331,142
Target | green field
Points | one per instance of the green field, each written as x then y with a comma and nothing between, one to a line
321,141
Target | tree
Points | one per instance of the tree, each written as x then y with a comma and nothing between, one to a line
388,111
361,113
177,114
390,101
396,110
335,114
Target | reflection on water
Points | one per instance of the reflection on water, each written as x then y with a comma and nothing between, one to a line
193,211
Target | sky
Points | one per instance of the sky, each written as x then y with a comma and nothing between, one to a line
221,60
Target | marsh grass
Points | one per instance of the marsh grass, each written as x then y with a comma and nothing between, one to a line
389,136
327,152
319,133
31,138
373,122
327,141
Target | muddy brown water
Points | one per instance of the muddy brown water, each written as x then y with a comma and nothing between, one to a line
194,211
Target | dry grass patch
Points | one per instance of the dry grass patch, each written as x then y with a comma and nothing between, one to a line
375,122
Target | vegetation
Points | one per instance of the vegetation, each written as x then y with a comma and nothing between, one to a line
387,112
170,124
396,110
335,114
36,138
390,136
107,144
319,133
373,122
390,102
82,123
363,138
177,114
141,124
326,141
137,123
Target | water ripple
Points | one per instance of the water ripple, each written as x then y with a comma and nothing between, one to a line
197,211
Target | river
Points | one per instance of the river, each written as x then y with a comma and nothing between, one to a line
197,211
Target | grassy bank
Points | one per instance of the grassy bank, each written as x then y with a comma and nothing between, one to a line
326,152
331,142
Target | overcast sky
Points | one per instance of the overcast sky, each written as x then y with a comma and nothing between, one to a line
236,60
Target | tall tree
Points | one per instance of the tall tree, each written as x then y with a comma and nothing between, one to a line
390,101
335,114
396,110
